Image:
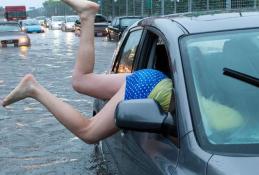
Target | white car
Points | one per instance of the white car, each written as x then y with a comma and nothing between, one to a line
69,24
56,22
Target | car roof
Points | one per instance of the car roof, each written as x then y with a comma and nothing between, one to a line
210,22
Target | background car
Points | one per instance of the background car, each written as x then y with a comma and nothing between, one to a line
47,22
69,24
56,22
100,25
41,20
213,126
11,34
118,25
31,26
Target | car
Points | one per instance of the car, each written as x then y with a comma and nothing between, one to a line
212,127
77,27
100,25
118,25
31,26
56,22
69,24
41,20
47,22
11,34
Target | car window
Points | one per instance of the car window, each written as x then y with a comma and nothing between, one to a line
31,22
228,107
117,22
72,19
5,27
113,21
58,18
125,22
127,56
155,56
100,18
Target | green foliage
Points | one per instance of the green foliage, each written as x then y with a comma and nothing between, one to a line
55,7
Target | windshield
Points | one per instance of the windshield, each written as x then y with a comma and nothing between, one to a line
227,106
31,22
41,18
58,18
16,14
71,19
9,27
128,21
99,18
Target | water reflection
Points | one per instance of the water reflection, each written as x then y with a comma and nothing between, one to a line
56,40
24,51
28,130
69,39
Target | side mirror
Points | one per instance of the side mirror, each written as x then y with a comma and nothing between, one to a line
144,115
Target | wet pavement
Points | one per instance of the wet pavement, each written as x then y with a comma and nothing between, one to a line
32,141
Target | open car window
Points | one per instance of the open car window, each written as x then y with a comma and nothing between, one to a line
128,52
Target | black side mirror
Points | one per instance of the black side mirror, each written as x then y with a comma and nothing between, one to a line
144,115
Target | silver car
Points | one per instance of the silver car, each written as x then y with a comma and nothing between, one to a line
56,22
11,34
213,124
69,24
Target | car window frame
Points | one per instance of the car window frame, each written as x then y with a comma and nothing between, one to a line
113,22
151,30
117,22
117,60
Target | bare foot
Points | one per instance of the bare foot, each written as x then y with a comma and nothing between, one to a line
84,8
24,89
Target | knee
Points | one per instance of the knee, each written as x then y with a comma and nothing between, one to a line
77,82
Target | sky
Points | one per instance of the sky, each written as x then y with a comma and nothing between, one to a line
28,3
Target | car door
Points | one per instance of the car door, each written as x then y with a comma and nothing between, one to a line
115,148
144,153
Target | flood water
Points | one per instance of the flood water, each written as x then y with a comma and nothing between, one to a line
32,141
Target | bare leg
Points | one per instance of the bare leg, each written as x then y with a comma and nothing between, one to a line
86,54
91,130
84,80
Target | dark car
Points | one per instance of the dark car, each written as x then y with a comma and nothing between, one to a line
213,125
100,25
11,34
118,25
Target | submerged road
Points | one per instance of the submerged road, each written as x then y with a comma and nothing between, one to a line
32,141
